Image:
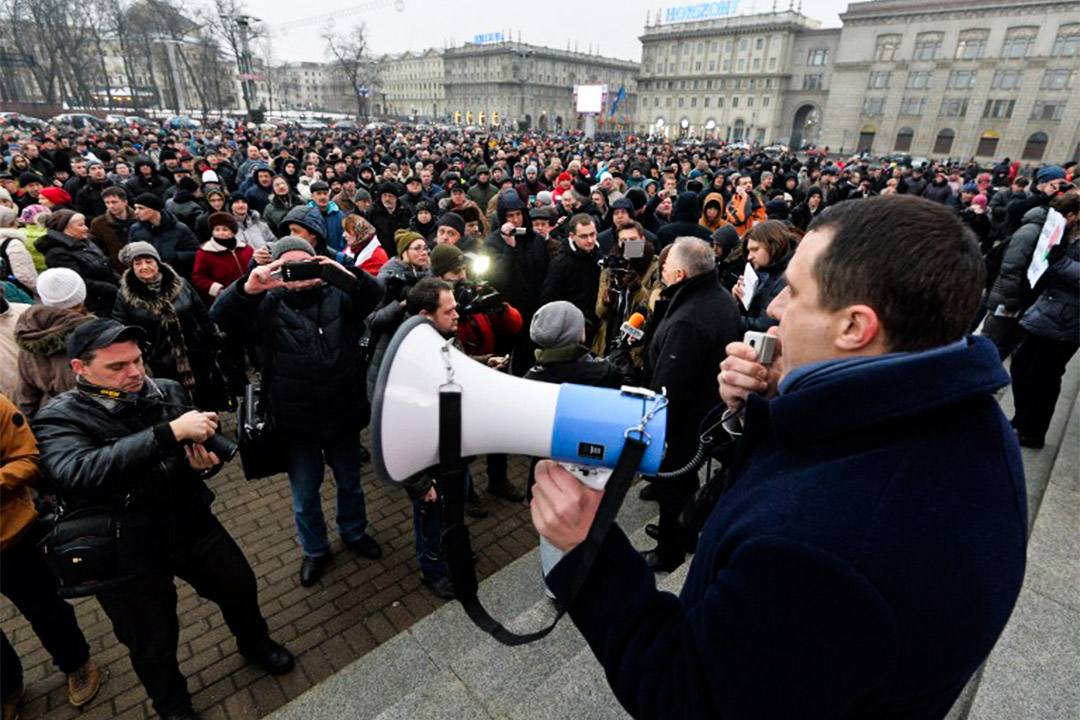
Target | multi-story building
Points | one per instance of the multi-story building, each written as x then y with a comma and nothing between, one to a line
729,78
412,85
515,84
985,78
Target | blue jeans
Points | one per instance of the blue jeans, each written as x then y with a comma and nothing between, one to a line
428,529
306,471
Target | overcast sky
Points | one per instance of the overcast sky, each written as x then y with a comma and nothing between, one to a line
419,24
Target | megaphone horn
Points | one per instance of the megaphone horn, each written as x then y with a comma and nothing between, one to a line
574,424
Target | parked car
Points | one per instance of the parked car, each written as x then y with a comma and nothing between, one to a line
79,121
18,120
309,124
179,122
345,125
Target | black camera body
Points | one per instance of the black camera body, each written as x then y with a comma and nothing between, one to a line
477,299
398,285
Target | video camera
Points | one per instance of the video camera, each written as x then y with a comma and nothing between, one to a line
477,299
398,285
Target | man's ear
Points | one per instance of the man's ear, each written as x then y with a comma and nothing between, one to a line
77,366
859,329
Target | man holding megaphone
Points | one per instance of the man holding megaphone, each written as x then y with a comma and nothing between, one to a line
871,547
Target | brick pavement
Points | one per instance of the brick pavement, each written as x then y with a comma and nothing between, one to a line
358,604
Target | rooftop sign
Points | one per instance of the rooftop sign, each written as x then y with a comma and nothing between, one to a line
704,11
489,38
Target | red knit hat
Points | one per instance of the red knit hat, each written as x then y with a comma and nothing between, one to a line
55,195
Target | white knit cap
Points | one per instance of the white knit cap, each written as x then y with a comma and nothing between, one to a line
61,288
209,176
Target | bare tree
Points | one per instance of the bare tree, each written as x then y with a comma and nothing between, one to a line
351,61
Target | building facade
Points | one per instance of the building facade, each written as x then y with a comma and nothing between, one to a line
986,79
412,85
517,85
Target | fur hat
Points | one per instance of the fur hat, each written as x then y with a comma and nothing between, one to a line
223,218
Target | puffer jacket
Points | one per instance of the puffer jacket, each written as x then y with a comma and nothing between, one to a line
85,258
41,334
1012,288
277,209
308,343
1056,313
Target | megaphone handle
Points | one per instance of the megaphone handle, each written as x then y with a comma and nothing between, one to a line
589,476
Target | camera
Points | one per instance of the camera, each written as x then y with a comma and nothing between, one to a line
477,299
292,272
398,285
221,446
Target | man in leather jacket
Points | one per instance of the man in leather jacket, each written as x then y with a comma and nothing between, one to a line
127,445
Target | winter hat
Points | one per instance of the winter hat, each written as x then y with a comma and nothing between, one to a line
563,176
35,214
306,217
320,186
1047,174
638,197
979,200
139,249
233,197
531,170
209,176
428,205
55,195
581,191
150,200
217,192
452,220
287,244
61,288
404,238
58,220
544,198
8,217
970,188
28,178
223,218
188,183
389,187
362,195
557,324
446,258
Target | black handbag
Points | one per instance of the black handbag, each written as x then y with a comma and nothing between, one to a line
83,549
261,454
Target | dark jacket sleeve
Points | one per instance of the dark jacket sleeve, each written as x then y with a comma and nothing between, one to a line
1012,288
236,312
187,245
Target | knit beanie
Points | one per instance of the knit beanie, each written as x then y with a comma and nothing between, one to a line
129,252
223,218
61,288
404,238
979,200
453,220
289,243
35,214
55,195
557,324
58,220
150,200
446,258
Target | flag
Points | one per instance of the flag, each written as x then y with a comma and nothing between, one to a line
621,97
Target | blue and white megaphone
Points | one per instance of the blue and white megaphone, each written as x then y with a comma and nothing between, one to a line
583,428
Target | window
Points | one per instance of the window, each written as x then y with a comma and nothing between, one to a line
713,45
903,139
759,43
727,65
878,81
735,101
712,66
912,107
656,102
1057,79
998,108
961,80
667,102
1007,79
700,48
720,84
729,45
919,79
943,142
952,107
742,44
681,102
817,57
1035,146
772,63
886,47
757,63
1048,110
659,68
811,82
705,102
768,82
697,66
972,44
873,107
1019,42
1067,42
750,101
693,102
742,65
988,143
765,101
719,102
928,45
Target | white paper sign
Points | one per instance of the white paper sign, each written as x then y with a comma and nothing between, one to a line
1052,232
750,283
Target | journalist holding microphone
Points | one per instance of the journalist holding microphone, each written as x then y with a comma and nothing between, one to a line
871,546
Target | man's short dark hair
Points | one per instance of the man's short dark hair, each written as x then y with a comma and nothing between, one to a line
426,295
910,259
630,225
115,191
581,219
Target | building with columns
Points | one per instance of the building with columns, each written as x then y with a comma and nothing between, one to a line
412,85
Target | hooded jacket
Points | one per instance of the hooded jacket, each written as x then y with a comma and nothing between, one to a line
771,283
138,185
387,223
685,221
517,272
332,218
716,200
258,195
85,258
41,334
175,242
1011,288
276,210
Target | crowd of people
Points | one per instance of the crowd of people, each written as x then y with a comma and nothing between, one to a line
149,265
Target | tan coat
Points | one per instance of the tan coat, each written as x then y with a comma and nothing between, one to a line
44,371
18,471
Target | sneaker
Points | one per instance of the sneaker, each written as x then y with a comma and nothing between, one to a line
474,507
83,684
11,704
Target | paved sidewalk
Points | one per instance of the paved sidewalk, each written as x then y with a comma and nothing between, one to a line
358,605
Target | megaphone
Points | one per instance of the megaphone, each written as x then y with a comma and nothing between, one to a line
584,428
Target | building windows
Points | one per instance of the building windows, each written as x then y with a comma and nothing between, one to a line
972,44
700,48
729,45
742,45
742,65
768,82
693,102
713,45
720,84
919,79
680,102
757,63
953,107
998,108
928,45
811,82
912,106
886,47
759,43
1035,146
1019,42
750,101
705,101
1007,79
772,63
735,101
878,81
1067,42
1048,110
1057,79
697,66
712,66
656,102
817,58
961,80
873,107
667,102
727,66
988,143
943,142
903,139
765,101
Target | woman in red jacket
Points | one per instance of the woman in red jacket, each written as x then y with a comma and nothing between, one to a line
222,259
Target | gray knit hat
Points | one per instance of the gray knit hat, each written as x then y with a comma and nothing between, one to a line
61,288
557,324
288,243
129,252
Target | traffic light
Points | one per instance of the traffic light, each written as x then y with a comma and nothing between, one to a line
495,118
457,117
480,118
468,117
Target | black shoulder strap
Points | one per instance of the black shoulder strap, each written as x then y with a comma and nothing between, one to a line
451,482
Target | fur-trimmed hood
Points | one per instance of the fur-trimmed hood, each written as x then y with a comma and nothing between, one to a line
136,294
214,246
44,330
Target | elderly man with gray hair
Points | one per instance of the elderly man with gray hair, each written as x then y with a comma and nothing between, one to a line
695,319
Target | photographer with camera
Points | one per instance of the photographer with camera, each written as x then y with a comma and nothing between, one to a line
125,448
307,335
871,546
626,283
